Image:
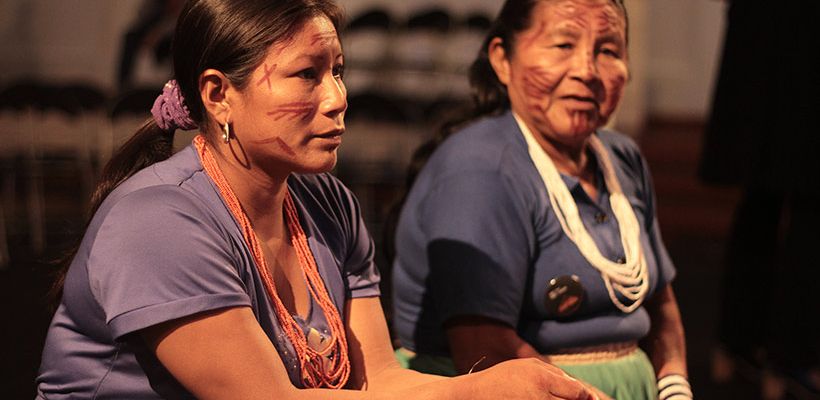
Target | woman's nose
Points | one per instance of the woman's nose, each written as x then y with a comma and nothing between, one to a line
334,100
584,67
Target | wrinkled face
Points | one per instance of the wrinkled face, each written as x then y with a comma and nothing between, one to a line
291,114
567,71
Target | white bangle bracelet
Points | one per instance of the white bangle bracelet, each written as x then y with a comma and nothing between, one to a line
674,387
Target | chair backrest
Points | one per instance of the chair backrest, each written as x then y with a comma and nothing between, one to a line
370,19
134,102
478,21
431,19
21,95
374,106
86,96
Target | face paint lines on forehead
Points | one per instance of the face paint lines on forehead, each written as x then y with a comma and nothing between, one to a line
606,18
325,38
293,111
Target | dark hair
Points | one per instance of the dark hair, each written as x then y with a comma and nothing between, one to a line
231,36
489,97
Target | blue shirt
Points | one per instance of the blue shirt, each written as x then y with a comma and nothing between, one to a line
477,236
163,246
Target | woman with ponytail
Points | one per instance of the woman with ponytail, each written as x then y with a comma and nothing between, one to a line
238,268
529,229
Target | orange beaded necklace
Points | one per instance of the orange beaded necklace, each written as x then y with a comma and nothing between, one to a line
328,367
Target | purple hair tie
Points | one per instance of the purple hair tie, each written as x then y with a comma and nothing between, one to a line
170,111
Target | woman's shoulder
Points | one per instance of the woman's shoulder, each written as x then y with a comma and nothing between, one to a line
617,140
323,193
625,149
485,131
325,187
329,206
484,144
150,207
176,186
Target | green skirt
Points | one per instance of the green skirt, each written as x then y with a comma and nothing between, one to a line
630,377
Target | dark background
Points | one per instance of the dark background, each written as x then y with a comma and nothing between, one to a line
397,95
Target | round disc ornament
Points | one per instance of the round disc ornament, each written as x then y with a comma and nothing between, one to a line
564,295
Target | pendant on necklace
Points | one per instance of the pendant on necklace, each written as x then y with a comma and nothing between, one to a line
320,343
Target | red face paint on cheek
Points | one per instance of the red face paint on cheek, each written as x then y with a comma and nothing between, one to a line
615,90
293,111
535,93
539,81
538,85
284,146
281,143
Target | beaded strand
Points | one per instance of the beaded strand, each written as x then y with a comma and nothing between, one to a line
316,371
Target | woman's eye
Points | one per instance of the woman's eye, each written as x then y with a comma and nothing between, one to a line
564,46
308,73
339,71
611,52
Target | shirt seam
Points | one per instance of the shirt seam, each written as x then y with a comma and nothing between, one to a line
107,372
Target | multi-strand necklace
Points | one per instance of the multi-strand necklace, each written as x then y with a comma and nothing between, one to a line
630,279
324,367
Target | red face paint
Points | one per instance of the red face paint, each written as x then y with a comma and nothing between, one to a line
567,71
266,76
324,38
530,39
293,111
282,145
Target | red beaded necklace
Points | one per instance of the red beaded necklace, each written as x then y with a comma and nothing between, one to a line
328,367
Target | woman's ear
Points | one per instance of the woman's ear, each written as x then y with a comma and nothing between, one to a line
498,59
214,89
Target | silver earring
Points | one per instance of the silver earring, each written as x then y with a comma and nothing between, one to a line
226,132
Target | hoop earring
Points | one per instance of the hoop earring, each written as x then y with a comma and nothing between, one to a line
226,132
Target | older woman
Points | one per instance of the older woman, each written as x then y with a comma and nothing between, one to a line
531,231
238,268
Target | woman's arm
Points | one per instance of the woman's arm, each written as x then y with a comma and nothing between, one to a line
665,343
375,368
477,343
373,365
225,354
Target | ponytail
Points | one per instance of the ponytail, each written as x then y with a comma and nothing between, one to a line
149,145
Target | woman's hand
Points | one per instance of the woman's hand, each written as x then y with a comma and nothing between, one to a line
528,378
375,368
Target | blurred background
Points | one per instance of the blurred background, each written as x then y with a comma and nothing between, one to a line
78,76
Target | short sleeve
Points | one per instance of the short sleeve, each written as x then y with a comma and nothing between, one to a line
360,269
666,268
159,255
479,247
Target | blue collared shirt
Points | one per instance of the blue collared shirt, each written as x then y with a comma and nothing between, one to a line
477,236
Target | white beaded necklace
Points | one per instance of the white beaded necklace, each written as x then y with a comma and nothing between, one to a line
631,278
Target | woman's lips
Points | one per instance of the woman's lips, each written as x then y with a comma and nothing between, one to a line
581,102
333,136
